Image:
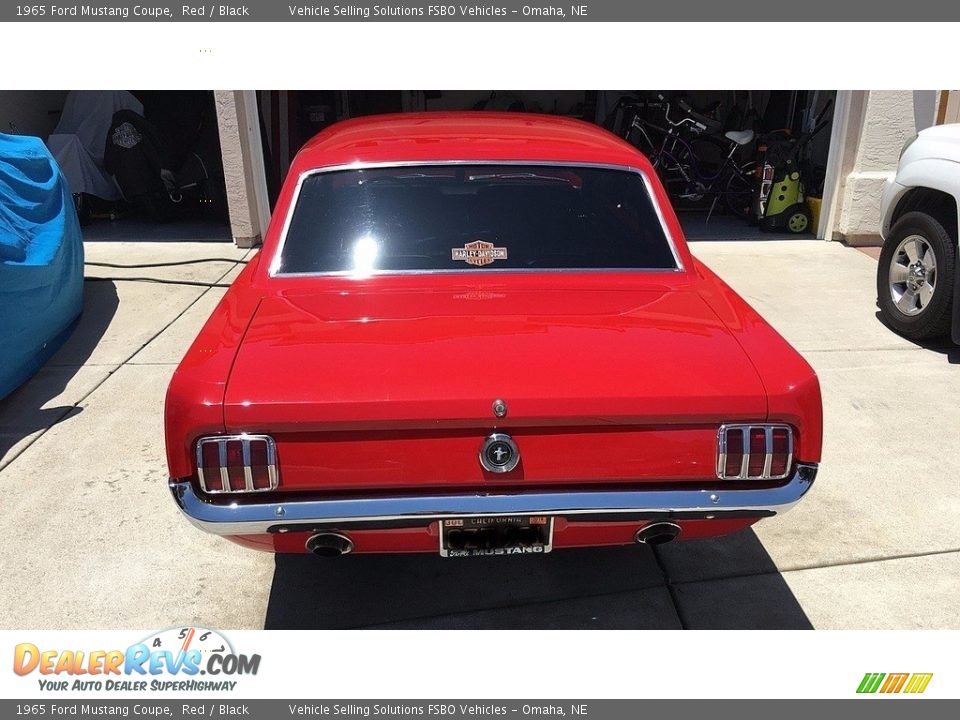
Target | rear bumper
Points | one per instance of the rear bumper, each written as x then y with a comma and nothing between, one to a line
408,511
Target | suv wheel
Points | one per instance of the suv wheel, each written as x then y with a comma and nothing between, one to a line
915,277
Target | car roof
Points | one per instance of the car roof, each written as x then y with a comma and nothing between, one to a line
465,136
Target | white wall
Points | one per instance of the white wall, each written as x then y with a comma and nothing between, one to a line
887,119
30,112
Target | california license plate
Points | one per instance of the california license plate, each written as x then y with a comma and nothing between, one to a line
498,535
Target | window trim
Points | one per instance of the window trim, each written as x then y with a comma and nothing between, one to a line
273,271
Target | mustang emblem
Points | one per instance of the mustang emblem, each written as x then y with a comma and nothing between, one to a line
499,453
479,252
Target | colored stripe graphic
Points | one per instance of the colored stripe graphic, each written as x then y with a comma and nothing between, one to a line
918,682
870,682
894,683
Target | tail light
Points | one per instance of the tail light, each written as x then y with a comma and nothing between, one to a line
754,452
237,464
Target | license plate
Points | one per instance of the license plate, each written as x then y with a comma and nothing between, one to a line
500,535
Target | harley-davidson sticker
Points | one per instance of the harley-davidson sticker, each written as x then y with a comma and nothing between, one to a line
479,252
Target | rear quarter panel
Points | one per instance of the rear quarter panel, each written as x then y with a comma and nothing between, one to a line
194,402
792,387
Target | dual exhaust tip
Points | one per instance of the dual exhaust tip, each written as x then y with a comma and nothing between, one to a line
331,544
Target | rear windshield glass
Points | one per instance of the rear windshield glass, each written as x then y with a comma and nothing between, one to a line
473,218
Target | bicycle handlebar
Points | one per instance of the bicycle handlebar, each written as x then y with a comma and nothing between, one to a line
638,121
696,123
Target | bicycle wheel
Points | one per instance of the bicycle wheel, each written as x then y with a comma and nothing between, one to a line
685,192
738,190
678,175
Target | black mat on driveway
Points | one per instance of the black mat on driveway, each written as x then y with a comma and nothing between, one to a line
728,582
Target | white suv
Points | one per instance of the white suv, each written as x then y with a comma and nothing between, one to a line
917,279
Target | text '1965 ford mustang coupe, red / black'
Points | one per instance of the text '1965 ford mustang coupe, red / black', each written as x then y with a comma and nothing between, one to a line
483,334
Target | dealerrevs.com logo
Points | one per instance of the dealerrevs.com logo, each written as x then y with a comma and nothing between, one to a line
178,659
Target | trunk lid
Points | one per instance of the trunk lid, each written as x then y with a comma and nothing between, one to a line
413,375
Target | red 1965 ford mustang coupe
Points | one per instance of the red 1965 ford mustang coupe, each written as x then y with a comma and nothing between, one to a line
483,334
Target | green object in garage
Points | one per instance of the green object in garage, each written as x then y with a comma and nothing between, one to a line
785,207
786,192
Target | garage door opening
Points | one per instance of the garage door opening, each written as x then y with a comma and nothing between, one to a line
141,164
738,164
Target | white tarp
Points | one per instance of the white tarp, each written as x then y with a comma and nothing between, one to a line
80,136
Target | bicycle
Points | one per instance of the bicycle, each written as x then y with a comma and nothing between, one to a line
681,167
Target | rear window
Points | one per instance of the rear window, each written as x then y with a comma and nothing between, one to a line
479,218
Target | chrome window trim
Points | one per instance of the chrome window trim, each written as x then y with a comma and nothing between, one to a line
707,502
221,442
745,428
273,271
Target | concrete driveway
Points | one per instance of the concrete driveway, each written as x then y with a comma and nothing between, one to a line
90,538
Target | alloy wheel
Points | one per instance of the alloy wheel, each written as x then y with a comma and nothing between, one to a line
913,275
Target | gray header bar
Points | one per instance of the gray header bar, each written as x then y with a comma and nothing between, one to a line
495,11
222,708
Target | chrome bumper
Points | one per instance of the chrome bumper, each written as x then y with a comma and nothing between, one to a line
400,511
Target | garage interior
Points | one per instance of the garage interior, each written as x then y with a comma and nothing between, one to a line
143,164
171,185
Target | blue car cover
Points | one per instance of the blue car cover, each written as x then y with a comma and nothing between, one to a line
41,259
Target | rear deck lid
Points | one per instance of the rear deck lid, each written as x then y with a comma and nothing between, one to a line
375,359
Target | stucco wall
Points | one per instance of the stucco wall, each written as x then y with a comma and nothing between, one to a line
888,118
246,199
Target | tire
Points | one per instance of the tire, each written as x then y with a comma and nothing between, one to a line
82,205
915,295
686,194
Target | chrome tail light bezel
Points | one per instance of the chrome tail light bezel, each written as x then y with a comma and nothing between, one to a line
273,475
747,429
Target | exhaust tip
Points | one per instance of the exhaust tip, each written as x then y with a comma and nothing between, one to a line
657,533
330,544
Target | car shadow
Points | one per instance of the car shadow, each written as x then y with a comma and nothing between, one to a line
943,346
23,412
729,582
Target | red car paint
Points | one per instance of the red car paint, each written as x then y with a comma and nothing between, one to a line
385,384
